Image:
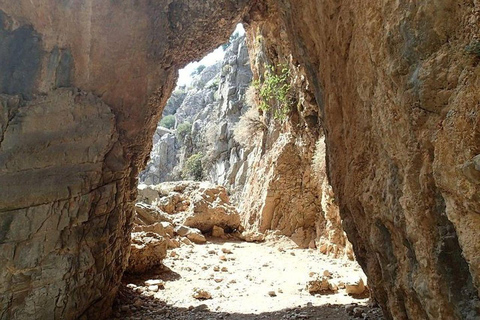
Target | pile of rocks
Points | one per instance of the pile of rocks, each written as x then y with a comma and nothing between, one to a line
327,283
172,214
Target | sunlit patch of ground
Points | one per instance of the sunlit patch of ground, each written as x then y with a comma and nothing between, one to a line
245,281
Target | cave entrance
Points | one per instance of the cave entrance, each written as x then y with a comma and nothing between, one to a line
200,248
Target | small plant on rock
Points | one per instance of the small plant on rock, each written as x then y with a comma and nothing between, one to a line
248,127
274,91
193,168
183,129
168,121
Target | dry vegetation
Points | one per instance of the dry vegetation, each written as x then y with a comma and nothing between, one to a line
249,127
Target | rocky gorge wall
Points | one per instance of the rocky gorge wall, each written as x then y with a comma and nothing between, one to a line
269,170
397,88
394,85
212,104
82,87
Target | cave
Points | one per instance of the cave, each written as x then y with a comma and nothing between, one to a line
393,86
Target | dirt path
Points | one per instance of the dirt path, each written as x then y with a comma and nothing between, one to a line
242,280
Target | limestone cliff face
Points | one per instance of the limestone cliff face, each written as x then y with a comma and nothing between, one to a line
212,105
82,86
272,178
398,91
287,190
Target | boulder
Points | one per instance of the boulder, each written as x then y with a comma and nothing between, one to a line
192,234
355,286
321,285
147,251
200,205
148,214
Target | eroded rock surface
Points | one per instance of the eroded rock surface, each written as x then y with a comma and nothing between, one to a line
69,158
398,96
147,251
200,205
394,85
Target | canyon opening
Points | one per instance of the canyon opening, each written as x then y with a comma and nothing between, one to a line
219,230
350,130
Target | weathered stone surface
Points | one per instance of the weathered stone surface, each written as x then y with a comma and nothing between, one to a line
199,205
287,189
69,158
392,85
398,97
147,251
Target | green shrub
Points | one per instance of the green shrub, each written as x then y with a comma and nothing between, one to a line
274,91
168,121
193,168
198,70
183,129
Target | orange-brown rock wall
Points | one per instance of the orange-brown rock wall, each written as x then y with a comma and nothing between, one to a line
82,85
397,83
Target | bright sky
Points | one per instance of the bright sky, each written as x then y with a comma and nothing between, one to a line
211,58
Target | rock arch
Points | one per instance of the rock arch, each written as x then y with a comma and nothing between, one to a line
81,89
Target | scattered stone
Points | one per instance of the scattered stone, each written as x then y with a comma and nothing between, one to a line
173,244
197,238
216,268
200,294
253,236
153,288
349,308
321,286
224,269
355,287
182,230
223,258
272,293
226,251
187,241
358,312
168,227
200,205
155,282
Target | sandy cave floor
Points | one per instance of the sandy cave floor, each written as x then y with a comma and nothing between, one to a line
245,281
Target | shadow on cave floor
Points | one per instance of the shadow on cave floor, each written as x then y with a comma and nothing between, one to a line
152,308
226,279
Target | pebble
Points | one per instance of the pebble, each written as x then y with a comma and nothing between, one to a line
227,251
153,288
272,293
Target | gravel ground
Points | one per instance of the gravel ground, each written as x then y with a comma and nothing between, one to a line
240,280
